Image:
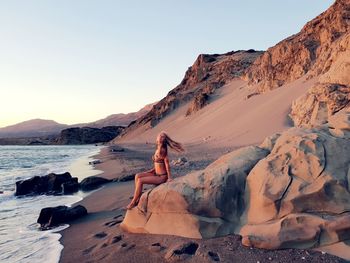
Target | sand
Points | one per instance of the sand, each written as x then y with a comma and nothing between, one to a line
230,119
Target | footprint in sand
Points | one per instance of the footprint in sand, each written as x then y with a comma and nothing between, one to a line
116,239
100,235
214,256
156,247
182,251
113,222
88,250
125,246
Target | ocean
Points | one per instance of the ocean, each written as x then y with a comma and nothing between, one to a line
20,238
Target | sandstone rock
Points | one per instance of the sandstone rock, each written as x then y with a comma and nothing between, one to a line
48,184
269,141
319,104
93,182
54,216
339,123
205,203
299,194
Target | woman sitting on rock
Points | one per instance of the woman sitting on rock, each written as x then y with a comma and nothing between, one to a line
161,171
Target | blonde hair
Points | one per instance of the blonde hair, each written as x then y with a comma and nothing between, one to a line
172,144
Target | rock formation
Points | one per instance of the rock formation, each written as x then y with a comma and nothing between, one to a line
48,184
319,104
55,184
87,135
54,216
291,191
202,204
93,182
321,46
299,195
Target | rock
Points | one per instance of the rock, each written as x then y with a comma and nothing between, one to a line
198,102
180,161
202,204
319,104
124,178
299,194
269,141
71,186
88,135
322,43
93,182
48,184
182,251
54,216
94,162
339,124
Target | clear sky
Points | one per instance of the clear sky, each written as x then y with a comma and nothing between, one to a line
79,61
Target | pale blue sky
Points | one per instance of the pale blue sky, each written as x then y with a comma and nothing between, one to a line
79,61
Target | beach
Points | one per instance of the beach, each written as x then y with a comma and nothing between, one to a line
98,237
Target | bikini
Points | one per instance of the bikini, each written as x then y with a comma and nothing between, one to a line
159,161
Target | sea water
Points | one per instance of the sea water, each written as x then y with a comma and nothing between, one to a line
20,238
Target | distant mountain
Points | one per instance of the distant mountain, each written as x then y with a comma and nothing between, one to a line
120,119
32,128
42,128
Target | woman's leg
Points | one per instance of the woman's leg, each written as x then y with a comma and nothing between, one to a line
153,179
137,178
140,175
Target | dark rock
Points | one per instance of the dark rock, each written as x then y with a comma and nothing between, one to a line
93,182
71,186
87,135
48,184
125,178
182,251
54,216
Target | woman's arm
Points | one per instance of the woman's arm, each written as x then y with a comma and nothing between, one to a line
167,167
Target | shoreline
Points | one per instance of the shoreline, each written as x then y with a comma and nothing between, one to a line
98,237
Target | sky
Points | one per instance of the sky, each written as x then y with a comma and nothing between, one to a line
82,60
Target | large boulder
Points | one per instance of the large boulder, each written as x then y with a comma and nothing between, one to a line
48,184
54,216
202,204
299,195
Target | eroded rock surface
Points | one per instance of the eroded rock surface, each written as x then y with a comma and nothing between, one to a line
205,203
299,194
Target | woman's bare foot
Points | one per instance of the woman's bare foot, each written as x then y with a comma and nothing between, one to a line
132,204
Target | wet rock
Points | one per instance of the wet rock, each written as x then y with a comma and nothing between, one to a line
93,182
54,216
48,184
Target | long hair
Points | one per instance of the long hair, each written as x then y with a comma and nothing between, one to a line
171,143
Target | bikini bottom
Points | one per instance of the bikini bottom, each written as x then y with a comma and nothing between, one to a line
160,174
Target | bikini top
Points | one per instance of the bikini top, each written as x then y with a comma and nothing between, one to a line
157,160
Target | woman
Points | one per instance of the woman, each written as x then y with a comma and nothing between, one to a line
161,171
